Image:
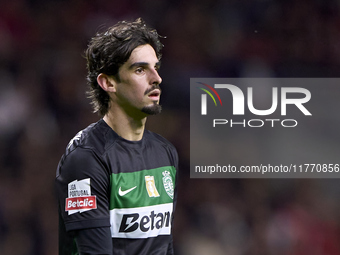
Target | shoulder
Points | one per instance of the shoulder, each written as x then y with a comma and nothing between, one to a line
96,137
85,151
87,146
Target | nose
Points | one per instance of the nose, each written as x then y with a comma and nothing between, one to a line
155,78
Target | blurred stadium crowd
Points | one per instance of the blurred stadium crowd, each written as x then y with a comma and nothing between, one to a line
43,105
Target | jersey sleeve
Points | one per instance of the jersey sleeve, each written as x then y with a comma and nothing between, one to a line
83,187
94,241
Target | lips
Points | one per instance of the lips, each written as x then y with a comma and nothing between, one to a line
154,94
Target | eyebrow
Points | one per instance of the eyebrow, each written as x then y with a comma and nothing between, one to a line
158,64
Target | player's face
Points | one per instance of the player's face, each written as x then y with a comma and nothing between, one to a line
138,88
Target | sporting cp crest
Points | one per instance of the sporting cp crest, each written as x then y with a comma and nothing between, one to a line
168,184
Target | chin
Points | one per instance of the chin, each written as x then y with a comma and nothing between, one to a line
152,109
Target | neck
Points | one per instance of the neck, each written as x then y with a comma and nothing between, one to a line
129,128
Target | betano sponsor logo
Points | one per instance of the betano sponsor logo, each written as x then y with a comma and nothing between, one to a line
142,222
145,223
238,105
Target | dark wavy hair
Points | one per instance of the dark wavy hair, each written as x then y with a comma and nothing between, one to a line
109,50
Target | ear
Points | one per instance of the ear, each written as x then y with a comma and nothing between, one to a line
106,83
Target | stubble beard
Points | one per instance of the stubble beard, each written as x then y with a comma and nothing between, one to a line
152,109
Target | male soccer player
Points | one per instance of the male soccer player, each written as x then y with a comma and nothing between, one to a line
116,182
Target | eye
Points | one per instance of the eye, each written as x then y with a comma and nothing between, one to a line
139,70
